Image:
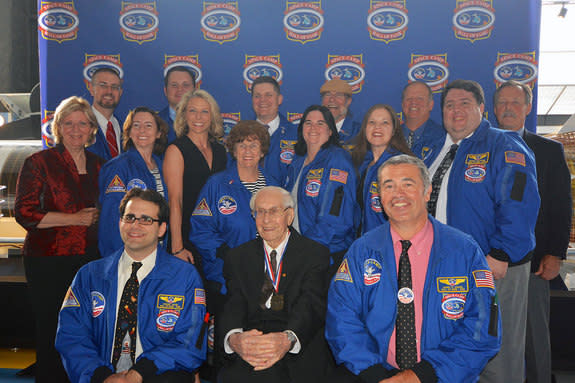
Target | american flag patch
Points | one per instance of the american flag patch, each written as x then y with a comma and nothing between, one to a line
338,175
199,297
483,278
515,158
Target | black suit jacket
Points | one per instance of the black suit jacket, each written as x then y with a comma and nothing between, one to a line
303,283
554,183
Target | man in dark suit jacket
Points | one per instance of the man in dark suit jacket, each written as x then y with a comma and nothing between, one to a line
273,319
512,104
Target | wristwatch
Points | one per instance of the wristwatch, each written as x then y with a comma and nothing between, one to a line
291,337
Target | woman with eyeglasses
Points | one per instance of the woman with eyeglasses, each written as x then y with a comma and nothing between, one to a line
322,181
139,166
379,139
56,197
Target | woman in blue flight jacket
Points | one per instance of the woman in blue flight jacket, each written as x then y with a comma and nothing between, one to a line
323,182
144,142
379,139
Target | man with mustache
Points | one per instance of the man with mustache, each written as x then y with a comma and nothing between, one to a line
336,96
512,103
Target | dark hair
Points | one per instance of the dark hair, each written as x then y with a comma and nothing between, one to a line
429,91
105,69
301,146
512,83
179,68
160,143
150,196
467,85
266,80
248,129
396,142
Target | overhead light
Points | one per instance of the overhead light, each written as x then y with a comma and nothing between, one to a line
563,11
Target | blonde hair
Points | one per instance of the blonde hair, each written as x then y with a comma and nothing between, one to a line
181,128
69,106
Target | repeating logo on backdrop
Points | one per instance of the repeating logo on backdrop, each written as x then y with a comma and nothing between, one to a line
93,62
294,118
431,69
520,67
303,21
220,21
192,62
58,21
47,133
349,68
139,21
257,66
230,120
473,19
387,20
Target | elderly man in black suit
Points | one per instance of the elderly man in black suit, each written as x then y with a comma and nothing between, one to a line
512,104
273,319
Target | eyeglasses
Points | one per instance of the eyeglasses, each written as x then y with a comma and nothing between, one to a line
114,87
274,212
338,95
143,220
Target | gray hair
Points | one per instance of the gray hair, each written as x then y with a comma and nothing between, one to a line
407,159
287,198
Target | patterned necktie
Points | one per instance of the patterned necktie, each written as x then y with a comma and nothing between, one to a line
438,178
405,339
126,323
410,139
111,139
268,286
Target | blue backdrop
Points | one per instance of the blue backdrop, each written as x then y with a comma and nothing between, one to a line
377,46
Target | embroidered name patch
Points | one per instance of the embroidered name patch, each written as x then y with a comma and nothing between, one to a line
170,302
452,285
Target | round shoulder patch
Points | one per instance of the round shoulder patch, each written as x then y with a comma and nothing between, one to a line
136,183
98,304
227,205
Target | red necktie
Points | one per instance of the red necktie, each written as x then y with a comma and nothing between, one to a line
111,139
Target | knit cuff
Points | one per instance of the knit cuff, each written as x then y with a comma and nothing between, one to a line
145,367
100,374
425,372
376,373
500,255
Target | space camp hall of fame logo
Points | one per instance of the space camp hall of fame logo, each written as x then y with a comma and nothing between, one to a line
387,20
229,121
139,21
473,19
58,21
192,62
93,62
220,21
349,68
47,133
520,67
257,66
431,69
303,21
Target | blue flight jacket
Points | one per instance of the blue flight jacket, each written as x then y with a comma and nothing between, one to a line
492,193
165,115
281,153
427,144
326,198
372,214
461,329
222,217
116,178
349,130
171,311
100,146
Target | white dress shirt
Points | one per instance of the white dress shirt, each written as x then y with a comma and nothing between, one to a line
273,125
103,124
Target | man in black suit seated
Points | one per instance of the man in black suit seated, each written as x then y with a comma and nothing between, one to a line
512,104
272,322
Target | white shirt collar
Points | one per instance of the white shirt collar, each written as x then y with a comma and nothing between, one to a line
273,125
279,249
148,263
338,125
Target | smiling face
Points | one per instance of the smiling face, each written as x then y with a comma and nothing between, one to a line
140,240
511,108
75,130
337,103
272,218
416,104
403,196
265,102
106,89
179,82
144,131
315,131
379,129
198,116
461,113
248,153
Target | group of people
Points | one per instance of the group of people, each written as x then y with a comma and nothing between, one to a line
424,234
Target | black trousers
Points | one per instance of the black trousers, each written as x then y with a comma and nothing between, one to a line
48,280
173,377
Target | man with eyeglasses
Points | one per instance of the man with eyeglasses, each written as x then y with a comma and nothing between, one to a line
138,314
106,90
271,323
336,96
178,81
